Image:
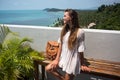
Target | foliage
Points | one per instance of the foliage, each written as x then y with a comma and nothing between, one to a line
105,17
108,17
3,32
56,23
86,17
16,57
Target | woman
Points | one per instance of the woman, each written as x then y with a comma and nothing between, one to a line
70,55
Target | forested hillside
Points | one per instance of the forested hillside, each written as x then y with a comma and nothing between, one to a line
108,17
105,17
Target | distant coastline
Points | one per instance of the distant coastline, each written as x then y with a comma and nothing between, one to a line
53,9
56,9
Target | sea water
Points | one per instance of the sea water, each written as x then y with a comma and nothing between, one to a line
29,17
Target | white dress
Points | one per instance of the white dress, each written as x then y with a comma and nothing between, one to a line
69,59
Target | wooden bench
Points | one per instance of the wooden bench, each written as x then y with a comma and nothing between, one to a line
98,67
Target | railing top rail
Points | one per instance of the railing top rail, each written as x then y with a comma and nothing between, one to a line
59,28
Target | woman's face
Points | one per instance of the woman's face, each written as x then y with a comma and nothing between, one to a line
66,18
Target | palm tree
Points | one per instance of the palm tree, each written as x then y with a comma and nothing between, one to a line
15,56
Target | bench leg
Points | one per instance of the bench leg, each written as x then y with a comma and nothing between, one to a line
36,71
43,72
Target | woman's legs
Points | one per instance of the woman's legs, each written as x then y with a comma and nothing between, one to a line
69,76
48,68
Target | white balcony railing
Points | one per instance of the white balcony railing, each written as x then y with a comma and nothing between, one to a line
100,44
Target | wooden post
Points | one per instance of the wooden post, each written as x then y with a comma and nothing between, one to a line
43,72
36,70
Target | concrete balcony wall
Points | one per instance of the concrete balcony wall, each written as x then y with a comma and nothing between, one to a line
100,44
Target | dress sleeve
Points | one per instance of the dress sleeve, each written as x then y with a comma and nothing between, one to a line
81,41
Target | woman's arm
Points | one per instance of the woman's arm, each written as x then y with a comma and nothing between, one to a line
59,52
82,58
82,61
55,62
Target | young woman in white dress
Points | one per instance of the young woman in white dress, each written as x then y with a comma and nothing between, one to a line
70,56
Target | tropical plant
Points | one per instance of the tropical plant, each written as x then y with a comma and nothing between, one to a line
3,33
57,23
15,56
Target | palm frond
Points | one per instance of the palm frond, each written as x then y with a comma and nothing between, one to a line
4,30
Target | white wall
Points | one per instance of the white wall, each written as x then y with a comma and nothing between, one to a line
100,44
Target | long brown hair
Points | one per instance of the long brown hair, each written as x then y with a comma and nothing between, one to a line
73,28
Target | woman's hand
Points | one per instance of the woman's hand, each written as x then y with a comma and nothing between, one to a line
54,64
85,68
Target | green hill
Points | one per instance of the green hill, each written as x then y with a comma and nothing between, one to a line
105,17
108,17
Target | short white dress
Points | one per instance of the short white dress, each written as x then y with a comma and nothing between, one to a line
69,59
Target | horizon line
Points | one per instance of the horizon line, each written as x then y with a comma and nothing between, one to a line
50,8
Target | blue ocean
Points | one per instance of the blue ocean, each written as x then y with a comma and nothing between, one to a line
29,17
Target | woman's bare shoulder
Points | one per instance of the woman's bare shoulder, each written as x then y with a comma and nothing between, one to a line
81,31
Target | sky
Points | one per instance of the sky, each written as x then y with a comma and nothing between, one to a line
61,4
